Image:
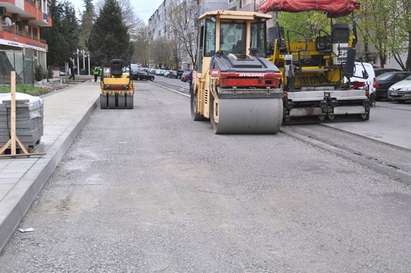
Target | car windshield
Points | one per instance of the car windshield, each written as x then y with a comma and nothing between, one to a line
385,76
233,38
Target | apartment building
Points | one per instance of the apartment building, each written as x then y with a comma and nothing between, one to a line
249,5
21,45
159,25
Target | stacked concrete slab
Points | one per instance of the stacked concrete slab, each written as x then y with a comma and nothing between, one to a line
29,119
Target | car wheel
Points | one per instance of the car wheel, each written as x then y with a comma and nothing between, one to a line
373,100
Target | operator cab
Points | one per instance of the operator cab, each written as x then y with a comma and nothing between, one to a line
236,35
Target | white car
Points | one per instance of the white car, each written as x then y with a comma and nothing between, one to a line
401,91
359,82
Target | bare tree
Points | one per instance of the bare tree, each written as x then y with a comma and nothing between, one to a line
182,18
163,53
142,44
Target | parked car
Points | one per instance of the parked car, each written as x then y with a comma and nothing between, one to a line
384,81
401,91
179,73
138,74
380,71
158,72
187,76
172,74
363,78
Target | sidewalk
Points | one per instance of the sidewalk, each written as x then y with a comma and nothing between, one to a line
389,123
65,113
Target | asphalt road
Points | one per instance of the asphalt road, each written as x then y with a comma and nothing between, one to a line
149,190
173,83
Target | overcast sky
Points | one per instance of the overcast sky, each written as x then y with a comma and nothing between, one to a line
143,8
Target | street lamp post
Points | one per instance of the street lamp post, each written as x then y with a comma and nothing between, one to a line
78,62
88,58
83,53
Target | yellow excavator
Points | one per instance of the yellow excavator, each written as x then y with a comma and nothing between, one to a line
117,88
234,86
317,71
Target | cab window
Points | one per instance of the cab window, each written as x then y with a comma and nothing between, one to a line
258,38
210,32
233,38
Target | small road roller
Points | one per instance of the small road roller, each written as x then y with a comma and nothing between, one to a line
234,86
117,88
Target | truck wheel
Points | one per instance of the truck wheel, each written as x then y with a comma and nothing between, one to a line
365,117
321,118
331,117
373,100
194,111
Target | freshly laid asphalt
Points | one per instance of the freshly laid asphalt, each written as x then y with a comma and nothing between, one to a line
148,190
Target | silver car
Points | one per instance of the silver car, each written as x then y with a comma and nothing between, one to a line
401,91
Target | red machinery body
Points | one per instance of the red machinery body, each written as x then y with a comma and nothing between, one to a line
334,8
247,80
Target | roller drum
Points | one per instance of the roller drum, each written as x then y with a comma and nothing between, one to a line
249,116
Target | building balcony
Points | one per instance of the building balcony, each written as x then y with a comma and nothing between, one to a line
27,9
19,39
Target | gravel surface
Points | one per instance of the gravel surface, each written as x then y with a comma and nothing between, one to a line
149,190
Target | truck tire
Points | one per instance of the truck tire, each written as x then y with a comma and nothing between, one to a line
365,117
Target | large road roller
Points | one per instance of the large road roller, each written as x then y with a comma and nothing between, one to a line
234,86
117,88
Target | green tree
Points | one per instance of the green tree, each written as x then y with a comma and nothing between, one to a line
304,24
407,20
386,25
62,37
87,21
109,38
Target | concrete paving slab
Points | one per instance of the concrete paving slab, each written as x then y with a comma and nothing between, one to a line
389,123
4,189
65,113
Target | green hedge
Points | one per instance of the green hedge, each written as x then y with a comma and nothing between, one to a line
25,88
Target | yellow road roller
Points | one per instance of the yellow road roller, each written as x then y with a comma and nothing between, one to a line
234,86
117,89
